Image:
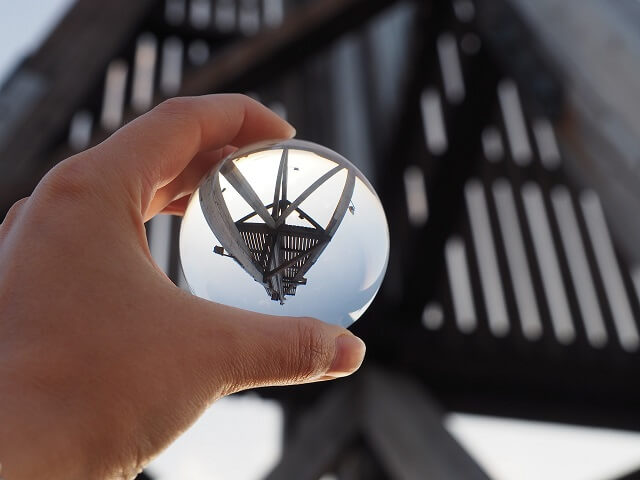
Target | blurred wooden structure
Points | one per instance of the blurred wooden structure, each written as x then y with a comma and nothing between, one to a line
512,287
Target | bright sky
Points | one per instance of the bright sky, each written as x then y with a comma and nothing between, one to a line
510,449
23,25
239,438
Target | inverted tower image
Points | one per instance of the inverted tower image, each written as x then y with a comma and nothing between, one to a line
276,254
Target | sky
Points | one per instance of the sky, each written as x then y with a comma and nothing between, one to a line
239,438
23,25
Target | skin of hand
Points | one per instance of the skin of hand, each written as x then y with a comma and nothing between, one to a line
103,360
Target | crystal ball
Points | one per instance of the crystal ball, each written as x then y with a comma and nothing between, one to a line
286,228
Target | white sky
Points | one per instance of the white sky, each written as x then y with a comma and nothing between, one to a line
235,431
510,449
23,25
238,438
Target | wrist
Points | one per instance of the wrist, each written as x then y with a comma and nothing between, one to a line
32,445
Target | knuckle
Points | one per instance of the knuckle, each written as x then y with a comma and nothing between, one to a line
13,212
302,350
176,106
181,113
70,179
310,352
241,98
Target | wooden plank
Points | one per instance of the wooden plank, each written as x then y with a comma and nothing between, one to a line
334,223
405,428
216,213
305,194
400,424
321,436
256,60
305,31
248,194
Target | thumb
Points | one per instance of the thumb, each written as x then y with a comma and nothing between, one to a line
251,349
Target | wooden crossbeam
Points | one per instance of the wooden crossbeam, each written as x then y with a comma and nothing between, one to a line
254,61
397,419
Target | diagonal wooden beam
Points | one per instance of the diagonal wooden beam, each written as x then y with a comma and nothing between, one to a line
219,219
334,223
343,203
320,436
393,415
405,428
237,181
276,279
250,63
271,53
288,263
285,177
304,195
240,67
280,183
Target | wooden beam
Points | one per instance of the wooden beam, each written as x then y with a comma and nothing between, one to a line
396,418
304,195
89,37
216,213
288,263
255,61
281,181
404,426
334,223
320,437
311,27
243,187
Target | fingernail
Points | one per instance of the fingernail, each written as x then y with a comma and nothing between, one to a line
349,355
292,131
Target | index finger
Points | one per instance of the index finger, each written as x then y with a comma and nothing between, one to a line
152,150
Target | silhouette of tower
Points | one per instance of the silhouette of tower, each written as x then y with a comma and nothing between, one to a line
275,253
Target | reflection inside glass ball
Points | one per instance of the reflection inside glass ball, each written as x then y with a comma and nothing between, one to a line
286,228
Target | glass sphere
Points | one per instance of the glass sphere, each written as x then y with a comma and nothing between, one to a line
286,228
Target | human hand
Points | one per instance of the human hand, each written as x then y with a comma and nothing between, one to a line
103,361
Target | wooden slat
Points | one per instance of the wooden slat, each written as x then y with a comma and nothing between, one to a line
254,61
320,436
405,428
